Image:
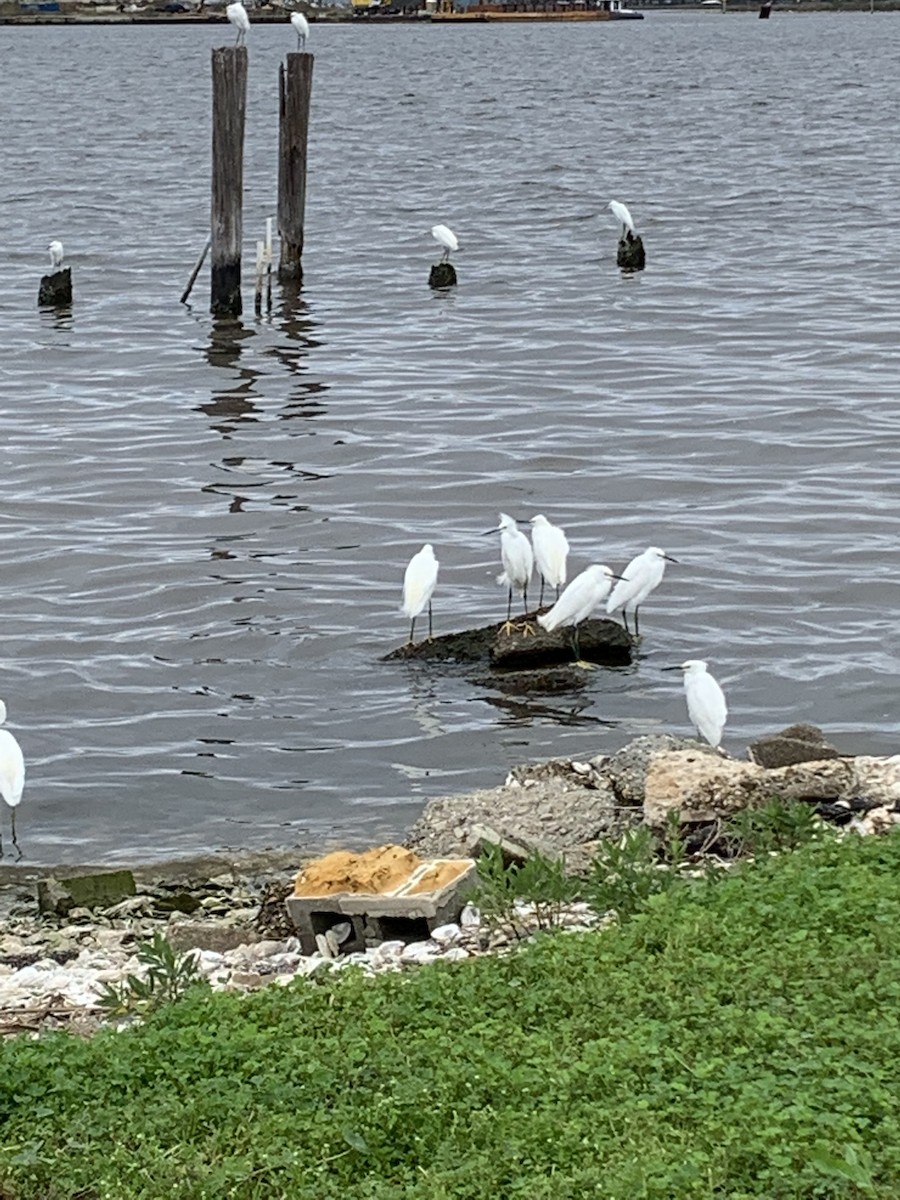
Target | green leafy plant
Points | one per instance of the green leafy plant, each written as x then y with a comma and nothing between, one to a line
778,825
541,881
168,976
626,873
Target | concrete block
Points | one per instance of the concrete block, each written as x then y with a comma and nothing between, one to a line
407,913
101,889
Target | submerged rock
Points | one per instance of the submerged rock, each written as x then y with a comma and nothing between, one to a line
601,641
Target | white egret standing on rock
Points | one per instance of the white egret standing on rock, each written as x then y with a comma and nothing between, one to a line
578,601
301,24
12,775
56,254
237,15
642,575
446,238
705,701
623,216
518,562
551,548
418,586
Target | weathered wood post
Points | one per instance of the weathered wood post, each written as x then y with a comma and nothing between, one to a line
55,289
630,254
294,92
229,75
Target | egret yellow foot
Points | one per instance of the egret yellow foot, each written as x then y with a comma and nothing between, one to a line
585,666
508,628
527,629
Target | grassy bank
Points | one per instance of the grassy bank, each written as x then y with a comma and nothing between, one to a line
736,1039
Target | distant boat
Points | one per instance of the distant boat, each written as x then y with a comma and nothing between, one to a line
531,10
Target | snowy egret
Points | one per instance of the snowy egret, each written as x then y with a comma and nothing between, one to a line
56,254
237,15
705,701
642,575
446,238
418,586
550,547
301,24
578,601
518,562
623,216
12,775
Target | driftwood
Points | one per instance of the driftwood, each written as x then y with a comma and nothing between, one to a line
600,641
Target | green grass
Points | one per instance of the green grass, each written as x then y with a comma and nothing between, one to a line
735,1039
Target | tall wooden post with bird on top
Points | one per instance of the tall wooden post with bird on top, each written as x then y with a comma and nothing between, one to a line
229,76
294,96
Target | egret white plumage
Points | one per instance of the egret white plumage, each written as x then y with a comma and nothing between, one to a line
551,548
642,575
12,775
446,238
237,15
301,24
705,700
623,216
418,585
578,601
517,558
56,254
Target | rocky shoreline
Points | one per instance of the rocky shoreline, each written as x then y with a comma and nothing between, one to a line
56,956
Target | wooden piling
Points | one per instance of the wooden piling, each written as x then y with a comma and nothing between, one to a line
294,92
55,290
229,77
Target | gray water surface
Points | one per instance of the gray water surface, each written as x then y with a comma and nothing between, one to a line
203,528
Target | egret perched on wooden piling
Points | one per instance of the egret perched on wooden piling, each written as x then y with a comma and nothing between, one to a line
446,238
705,701
518,562
623,216
551,548
642,575
301,24
237,15
578,601
12,775
418,586
56,254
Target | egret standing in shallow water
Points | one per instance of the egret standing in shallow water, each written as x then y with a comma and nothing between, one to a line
237,15
623,216
12,775
577,602
642,575
551,548
446,238
418,586
518,563
301,24
56,254
705,701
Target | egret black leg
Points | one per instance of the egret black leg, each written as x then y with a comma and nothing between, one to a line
12,818
412,630
636,629
625,620
429,620
525,599
541,597
509,604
